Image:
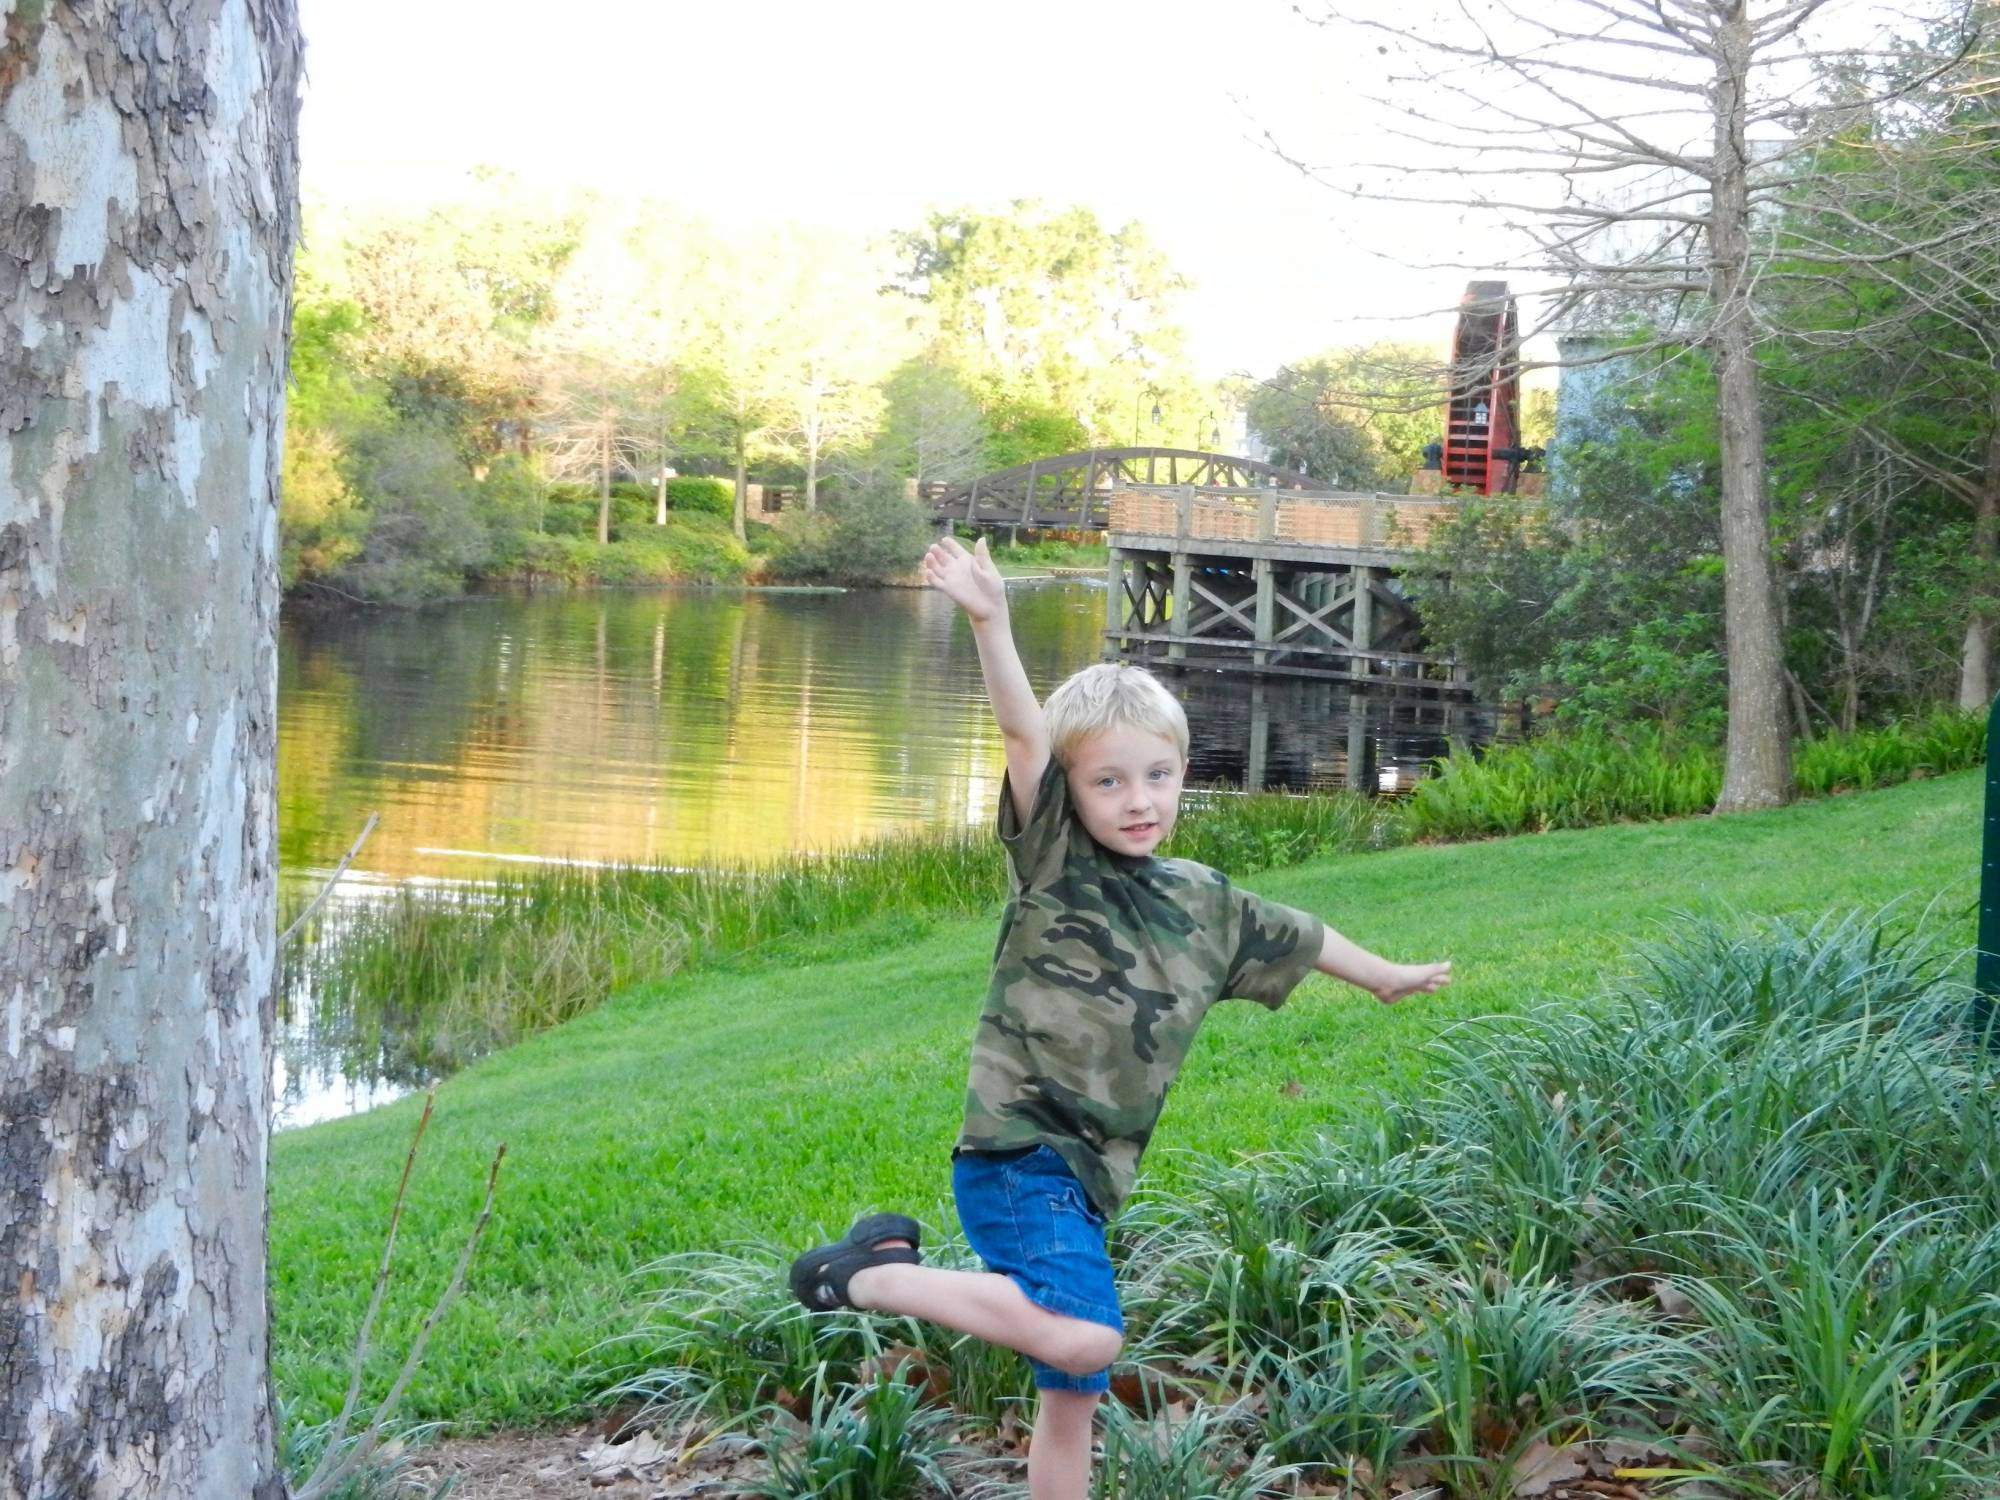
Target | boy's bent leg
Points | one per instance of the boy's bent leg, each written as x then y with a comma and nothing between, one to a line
1059,1456
988,1306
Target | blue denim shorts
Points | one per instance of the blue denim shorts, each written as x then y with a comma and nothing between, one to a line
1027,1218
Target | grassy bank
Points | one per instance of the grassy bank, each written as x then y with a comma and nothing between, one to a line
433,979
1049,552
789,1086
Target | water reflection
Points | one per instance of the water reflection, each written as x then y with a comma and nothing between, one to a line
693,727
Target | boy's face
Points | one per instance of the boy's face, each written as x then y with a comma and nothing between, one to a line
1125,784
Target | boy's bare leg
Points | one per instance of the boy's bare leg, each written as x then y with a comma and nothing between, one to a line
987,1306
1059,1456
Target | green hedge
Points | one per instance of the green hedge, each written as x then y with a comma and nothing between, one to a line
699,493
688,549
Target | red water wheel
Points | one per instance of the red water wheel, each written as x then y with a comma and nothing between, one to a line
1483,414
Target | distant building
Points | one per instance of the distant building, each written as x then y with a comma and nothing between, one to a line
1593,392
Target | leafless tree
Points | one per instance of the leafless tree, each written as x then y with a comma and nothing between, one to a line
149,164
595,421
1640,153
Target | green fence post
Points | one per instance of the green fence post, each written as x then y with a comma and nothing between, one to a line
1986,972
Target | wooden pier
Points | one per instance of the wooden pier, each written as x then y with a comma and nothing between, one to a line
1272,582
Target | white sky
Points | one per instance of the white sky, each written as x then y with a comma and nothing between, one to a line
863,114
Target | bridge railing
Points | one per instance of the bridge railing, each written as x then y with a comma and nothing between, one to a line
1185,512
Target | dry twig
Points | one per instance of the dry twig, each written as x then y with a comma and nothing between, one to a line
334,1465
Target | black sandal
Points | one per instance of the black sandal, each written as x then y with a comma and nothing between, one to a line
820,1277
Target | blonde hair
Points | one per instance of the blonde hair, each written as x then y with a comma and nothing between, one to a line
1108,695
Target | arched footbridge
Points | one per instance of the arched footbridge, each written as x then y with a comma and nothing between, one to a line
1072,491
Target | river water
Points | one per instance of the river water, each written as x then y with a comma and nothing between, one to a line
689,726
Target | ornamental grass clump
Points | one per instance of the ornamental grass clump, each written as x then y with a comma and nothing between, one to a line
720,1337
1500,1365
1211,1453
1340,1403
1849,1352
873,1441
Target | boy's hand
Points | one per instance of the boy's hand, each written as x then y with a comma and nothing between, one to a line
968,579
1411,979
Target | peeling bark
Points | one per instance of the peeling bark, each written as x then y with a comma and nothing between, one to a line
148,191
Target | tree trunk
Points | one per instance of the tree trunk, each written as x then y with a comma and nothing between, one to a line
660,509
742,486
148,160
1757,768
604,485
1975,671
812,477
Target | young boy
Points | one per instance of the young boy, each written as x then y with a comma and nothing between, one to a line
1108,958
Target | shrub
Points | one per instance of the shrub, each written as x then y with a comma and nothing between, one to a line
697,493
692,549
1581,778
862,538
1564,780
1948,740
424,531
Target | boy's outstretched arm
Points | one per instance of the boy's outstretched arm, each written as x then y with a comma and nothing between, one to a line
971,581
1387,982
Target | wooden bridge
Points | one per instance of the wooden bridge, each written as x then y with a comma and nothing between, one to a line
1072,491
1274,583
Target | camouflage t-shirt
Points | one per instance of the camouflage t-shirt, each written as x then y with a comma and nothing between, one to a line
1105,967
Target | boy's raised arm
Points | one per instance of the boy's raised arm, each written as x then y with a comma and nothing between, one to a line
971,581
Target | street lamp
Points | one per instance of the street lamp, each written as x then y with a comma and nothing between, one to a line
1137,397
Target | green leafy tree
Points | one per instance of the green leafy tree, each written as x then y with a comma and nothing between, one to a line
1354,418
1605,600
1890,307
1069,330
932,428
735,372
425,529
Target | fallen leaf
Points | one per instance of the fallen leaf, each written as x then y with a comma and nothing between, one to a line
1414,1479
1613,1454
1673,1301
1545,1465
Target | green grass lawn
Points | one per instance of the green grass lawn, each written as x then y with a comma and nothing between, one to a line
776,1096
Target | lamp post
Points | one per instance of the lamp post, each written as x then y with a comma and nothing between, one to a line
1137,397
660,511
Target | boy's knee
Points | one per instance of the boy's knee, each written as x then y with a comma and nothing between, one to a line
1087,1347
